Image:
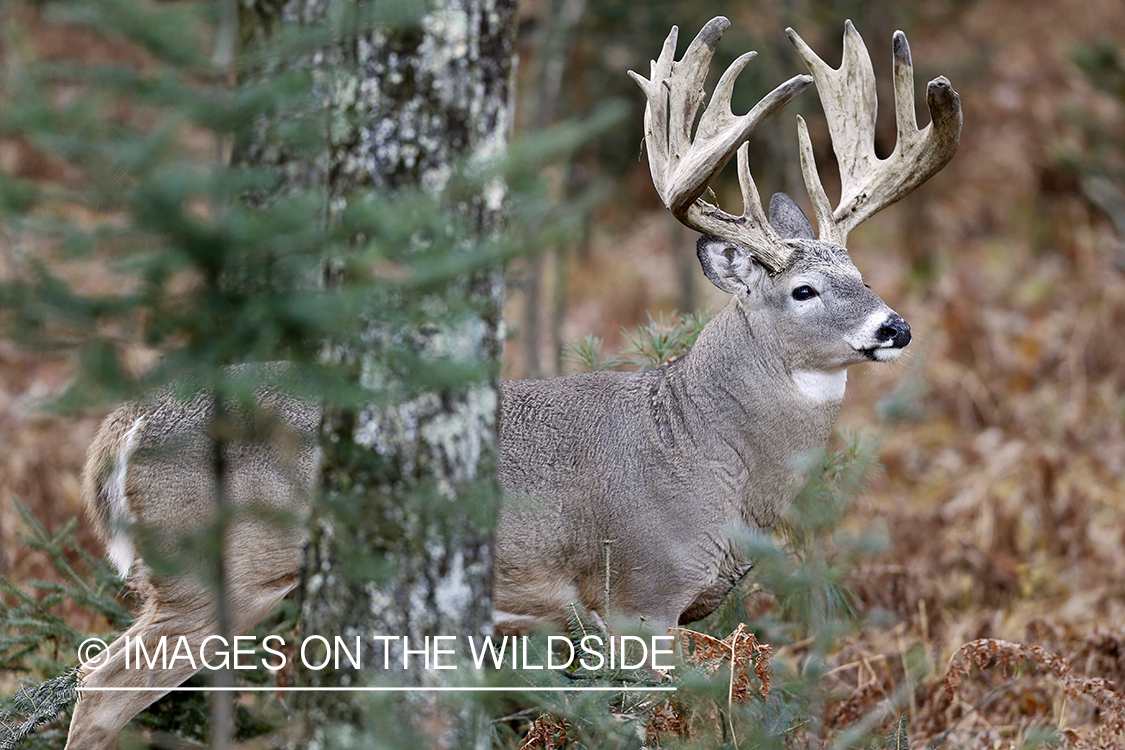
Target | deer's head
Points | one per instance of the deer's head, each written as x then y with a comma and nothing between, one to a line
819,308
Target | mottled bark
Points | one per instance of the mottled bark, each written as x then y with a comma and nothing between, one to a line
401,543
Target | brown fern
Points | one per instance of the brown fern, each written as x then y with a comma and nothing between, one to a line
989,653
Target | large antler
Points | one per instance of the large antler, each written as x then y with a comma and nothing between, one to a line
682,167
847,95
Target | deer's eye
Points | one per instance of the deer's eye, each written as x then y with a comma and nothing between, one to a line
802,293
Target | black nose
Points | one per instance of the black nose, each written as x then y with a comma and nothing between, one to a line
896,330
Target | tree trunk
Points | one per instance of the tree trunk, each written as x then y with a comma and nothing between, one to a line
402,541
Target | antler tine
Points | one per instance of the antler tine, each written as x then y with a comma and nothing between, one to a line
821,207
682,167
847,95
656,111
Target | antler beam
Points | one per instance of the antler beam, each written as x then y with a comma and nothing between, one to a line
682,167
847,95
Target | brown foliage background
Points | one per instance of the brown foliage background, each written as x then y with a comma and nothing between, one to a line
1003,429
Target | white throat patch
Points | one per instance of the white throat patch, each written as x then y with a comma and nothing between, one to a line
821,386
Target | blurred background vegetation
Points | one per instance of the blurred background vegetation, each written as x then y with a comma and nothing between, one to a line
1001,497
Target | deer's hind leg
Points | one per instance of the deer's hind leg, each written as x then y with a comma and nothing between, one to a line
177,617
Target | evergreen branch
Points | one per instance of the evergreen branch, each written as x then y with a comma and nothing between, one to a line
38,705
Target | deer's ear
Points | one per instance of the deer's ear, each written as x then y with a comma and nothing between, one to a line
729,265
788,219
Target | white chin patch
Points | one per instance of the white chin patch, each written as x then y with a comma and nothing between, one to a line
885,354
821,387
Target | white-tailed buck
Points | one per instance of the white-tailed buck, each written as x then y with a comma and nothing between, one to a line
663,463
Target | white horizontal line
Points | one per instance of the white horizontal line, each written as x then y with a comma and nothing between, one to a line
446,689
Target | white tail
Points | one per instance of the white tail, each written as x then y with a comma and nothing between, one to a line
661,464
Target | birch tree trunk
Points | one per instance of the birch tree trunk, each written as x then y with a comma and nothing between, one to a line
401,543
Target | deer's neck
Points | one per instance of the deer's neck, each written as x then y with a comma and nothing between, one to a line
747,400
